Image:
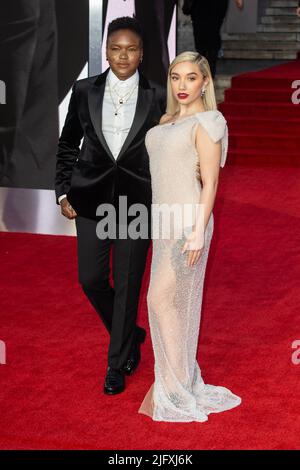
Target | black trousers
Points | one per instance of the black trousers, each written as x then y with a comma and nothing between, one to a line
207,18
117,306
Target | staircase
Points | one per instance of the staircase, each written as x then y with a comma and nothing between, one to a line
263,120
222,83
277,36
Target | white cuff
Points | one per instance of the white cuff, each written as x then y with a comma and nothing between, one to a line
61,198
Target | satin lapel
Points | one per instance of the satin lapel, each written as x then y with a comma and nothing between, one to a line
95,99
144,99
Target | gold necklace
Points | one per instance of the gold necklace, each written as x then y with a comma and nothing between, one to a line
122,99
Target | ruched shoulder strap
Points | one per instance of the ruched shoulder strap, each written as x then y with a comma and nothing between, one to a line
216,126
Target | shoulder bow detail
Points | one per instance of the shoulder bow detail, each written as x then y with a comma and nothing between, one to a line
216,126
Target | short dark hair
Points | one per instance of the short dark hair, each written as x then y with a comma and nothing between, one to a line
125,22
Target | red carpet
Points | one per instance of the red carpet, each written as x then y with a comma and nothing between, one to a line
51,387
263,121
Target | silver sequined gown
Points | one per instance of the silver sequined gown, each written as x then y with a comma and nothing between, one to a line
174,297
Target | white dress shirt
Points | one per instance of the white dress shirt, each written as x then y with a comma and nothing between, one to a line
115,128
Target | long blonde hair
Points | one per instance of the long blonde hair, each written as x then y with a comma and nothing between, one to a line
209,98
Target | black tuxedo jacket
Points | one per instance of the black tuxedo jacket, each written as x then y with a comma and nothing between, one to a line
91,175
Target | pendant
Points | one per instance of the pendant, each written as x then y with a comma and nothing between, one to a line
116,113
120,101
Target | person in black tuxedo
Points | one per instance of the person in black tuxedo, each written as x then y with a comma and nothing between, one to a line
207,18
112,162
155,18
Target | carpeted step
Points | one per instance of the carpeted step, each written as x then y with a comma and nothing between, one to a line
259,125
268,110
270,142
254,95
263,120
263,158
261,82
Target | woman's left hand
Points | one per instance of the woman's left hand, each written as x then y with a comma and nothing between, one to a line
193,256
194,246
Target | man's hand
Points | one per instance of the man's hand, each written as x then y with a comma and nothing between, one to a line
66,209
298,11
239,4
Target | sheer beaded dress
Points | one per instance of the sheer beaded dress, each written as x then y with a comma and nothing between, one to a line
174,298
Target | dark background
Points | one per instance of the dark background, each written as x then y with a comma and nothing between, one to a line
43,48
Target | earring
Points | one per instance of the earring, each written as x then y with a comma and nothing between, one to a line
141,59
203,91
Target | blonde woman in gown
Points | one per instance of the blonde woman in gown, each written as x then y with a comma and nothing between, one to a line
191,135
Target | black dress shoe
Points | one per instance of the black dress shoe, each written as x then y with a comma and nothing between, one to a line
114,381
135,354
